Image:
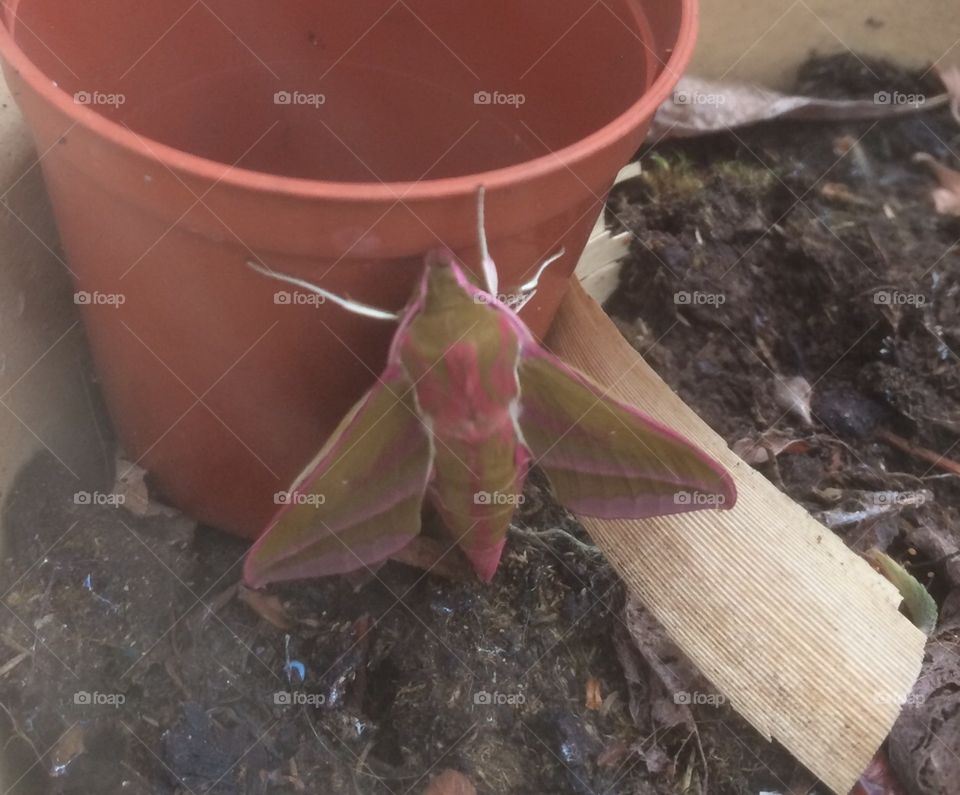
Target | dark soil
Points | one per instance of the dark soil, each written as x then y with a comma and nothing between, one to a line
402,675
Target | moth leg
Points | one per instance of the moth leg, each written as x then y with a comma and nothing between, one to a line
347,303
490,277
527,290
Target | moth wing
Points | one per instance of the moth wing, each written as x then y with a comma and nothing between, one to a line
359,500
606,459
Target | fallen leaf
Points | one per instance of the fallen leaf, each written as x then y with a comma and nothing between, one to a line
614,754
920,606
951,81
878,778
757,449
131,486
656,687
793,395
68,748
837,191
594,699
699,107
267,606
450,782
435,557
946,198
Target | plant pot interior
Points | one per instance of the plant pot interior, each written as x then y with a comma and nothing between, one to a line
375,92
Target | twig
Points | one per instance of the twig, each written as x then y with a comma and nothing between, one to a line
9,666
937,460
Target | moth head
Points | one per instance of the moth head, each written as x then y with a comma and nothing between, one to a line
445,281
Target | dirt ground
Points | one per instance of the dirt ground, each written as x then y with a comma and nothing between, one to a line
131,665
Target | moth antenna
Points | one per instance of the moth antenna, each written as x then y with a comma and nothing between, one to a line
351,306
490,277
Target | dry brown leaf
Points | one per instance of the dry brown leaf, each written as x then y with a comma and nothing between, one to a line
130,485
435,557
594,698
793,395
657,688
267,606
758,449
950,76
450,782
878,778
946,198
68,748
613,755
837,191
699,107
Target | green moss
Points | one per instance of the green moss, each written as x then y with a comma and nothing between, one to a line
742,175
676,179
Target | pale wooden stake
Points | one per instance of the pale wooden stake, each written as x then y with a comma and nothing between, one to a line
795,630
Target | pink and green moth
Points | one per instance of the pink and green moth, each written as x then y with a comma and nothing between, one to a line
468,402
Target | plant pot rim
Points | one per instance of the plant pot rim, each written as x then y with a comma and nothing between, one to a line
214,171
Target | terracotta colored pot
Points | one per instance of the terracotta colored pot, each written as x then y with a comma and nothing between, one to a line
334,141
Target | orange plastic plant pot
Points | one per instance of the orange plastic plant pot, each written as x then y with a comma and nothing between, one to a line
333,141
